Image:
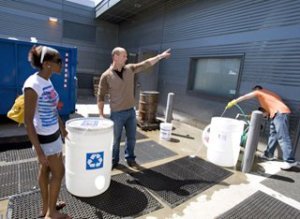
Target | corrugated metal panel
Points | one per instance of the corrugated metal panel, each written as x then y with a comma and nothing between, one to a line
74,12
212,18
267,32
26,27
274,62
144,30
107,35
26,18
46,8
277,69
86,33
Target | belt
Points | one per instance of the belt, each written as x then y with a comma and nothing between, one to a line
44,139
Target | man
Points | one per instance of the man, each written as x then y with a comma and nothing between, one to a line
279,124
118,82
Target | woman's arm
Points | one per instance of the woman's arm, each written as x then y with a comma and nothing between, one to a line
29,111
62,128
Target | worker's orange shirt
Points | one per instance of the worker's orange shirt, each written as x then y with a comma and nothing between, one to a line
271,102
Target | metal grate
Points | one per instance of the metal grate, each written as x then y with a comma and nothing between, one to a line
148,151
122,199
17,154
18,178
179,180
261,206
26,154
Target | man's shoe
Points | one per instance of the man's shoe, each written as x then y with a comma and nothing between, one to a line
132,163
287,165
264,157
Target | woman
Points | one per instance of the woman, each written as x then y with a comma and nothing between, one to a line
44,126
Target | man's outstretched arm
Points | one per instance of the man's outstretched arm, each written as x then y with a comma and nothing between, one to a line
150,62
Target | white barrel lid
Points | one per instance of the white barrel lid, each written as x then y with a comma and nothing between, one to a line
90,123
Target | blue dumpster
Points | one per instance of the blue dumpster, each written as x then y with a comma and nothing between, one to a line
15,69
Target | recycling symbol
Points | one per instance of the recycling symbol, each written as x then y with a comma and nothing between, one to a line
94,160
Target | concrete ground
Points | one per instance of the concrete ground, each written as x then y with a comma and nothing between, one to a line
186,141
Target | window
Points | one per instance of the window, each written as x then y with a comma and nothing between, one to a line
215,76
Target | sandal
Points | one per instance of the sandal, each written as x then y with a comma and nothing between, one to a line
59,205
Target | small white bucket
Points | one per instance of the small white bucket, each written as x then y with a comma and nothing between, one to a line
165,131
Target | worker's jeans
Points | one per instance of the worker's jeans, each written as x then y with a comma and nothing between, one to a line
127,119
279,131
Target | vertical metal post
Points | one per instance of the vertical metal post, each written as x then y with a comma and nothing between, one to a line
169,109
252,140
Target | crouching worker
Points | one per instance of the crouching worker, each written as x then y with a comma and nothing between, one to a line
44,127
279,124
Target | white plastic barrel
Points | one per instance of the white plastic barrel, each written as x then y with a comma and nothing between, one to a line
165,131
223,146
88,156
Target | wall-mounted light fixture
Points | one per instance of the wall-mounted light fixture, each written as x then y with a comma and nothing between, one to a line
53,20
12,38
33,39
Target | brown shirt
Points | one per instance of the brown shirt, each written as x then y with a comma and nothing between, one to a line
121,91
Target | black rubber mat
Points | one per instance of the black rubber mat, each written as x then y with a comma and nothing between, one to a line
261,206
17,154
22,177
4,146
148,151
179,180
18,178
285,182
122,199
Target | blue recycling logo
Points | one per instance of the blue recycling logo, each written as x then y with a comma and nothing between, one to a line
94,160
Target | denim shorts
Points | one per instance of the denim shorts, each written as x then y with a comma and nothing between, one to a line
52,148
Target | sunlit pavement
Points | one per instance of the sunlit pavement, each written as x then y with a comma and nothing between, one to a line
186,141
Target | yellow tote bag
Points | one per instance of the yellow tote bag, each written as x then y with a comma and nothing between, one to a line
16,113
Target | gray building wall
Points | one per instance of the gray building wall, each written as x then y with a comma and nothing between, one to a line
267,33
76,26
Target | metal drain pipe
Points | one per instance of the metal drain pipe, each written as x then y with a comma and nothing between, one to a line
169,109
252,140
